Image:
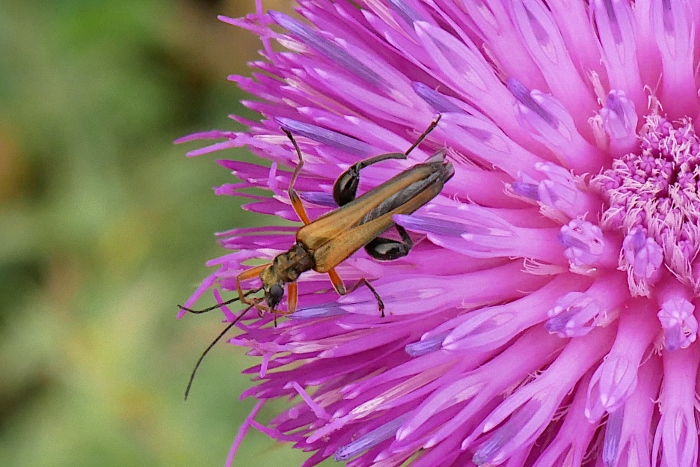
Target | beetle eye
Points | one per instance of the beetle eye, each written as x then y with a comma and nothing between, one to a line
276,291
274,295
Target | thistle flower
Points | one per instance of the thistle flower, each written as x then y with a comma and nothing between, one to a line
548,313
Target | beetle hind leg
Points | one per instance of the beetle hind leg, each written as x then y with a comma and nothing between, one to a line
365,282
345,187
387,249
340,288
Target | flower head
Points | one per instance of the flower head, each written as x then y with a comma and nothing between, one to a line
546,314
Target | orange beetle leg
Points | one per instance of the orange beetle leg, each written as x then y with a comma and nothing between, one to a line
292,297
244,276
337,282
340,288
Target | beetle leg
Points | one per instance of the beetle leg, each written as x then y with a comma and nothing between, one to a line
386,249
293,196
363,281
292,295
336,281
244,276
345,187
340,288
260,308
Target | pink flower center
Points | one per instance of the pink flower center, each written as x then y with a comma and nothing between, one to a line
653,199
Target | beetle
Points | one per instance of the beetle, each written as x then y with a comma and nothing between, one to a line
358,222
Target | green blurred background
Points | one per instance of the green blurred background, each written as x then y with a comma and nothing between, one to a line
106,226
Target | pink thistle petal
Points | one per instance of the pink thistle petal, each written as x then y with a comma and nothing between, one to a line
613,431
616,378
517,216
325,136
550,123
642,259
677,317
491,21
634,445
212,148
578,34
481,233
213,134
332,51
467,73
203,287
317,409
647,52
620,122
577,313
242,431
675,38
532,407
443,454
368,441
615,25
544,42
676,436
572,439
482,384
559,190
491,327
421,294
440,102
587,246
228,314
560,194
474,133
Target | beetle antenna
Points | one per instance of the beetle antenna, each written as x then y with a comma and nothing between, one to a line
213,343
217,306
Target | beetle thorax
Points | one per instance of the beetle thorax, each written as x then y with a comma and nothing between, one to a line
286,267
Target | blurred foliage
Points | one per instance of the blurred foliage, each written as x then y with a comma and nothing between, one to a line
106,226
